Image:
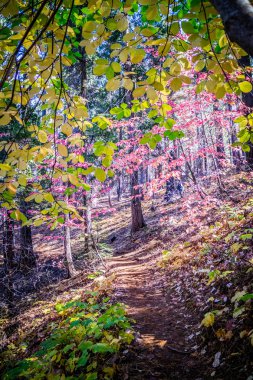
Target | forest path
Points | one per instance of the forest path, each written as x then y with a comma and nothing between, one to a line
163,323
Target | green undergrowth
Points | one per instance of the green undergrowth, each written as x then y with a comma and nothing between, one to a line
83,344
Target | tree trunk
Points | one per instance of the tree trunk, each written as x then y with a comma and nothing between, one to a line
67,247
237,18
8,243
8,251
27,258
136,210
119,188
109,199
88,223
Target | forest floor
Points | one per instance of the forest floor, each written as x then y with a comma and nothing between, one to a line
190,260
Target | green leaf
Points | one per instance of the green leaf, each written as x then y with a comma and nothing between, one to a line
246,236
246,297
188,27
102,348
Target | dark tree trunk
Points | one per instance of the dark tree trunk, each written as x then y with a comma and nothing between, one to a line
137,216
119,188
237,18
8,251
8,243
27,257
110,199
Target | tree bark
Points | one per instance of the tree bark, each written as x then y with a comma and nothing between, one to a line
237,18
67,246
119,187
137,216
8,243
27,257
88,222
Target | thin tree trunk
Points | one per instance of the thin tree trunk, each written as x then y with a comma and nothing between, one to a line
27,256
109,199
194,179
8,243
67,247
88,242
119,187
136,210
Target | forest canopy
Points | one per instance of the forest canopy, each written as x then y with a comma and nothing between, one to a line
44,106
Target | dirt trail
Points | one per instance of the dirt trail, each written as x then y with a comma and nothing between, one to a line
162,350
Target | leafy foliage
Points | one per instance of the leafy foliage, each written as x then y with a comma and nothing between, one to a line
40,43
83,345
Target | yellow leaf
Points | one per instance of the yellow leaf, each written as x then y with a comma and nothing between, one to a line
100,174
116,67
66,129
12,188
73,179
123,55
200,65
139,91
128,84
245,86
113,84
151,93
122,24
99,70
42,136
38,198
62,149
235,247
48,197
208,320
5,167
22,180
5,119
220,92
176,84
137,55
175,68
